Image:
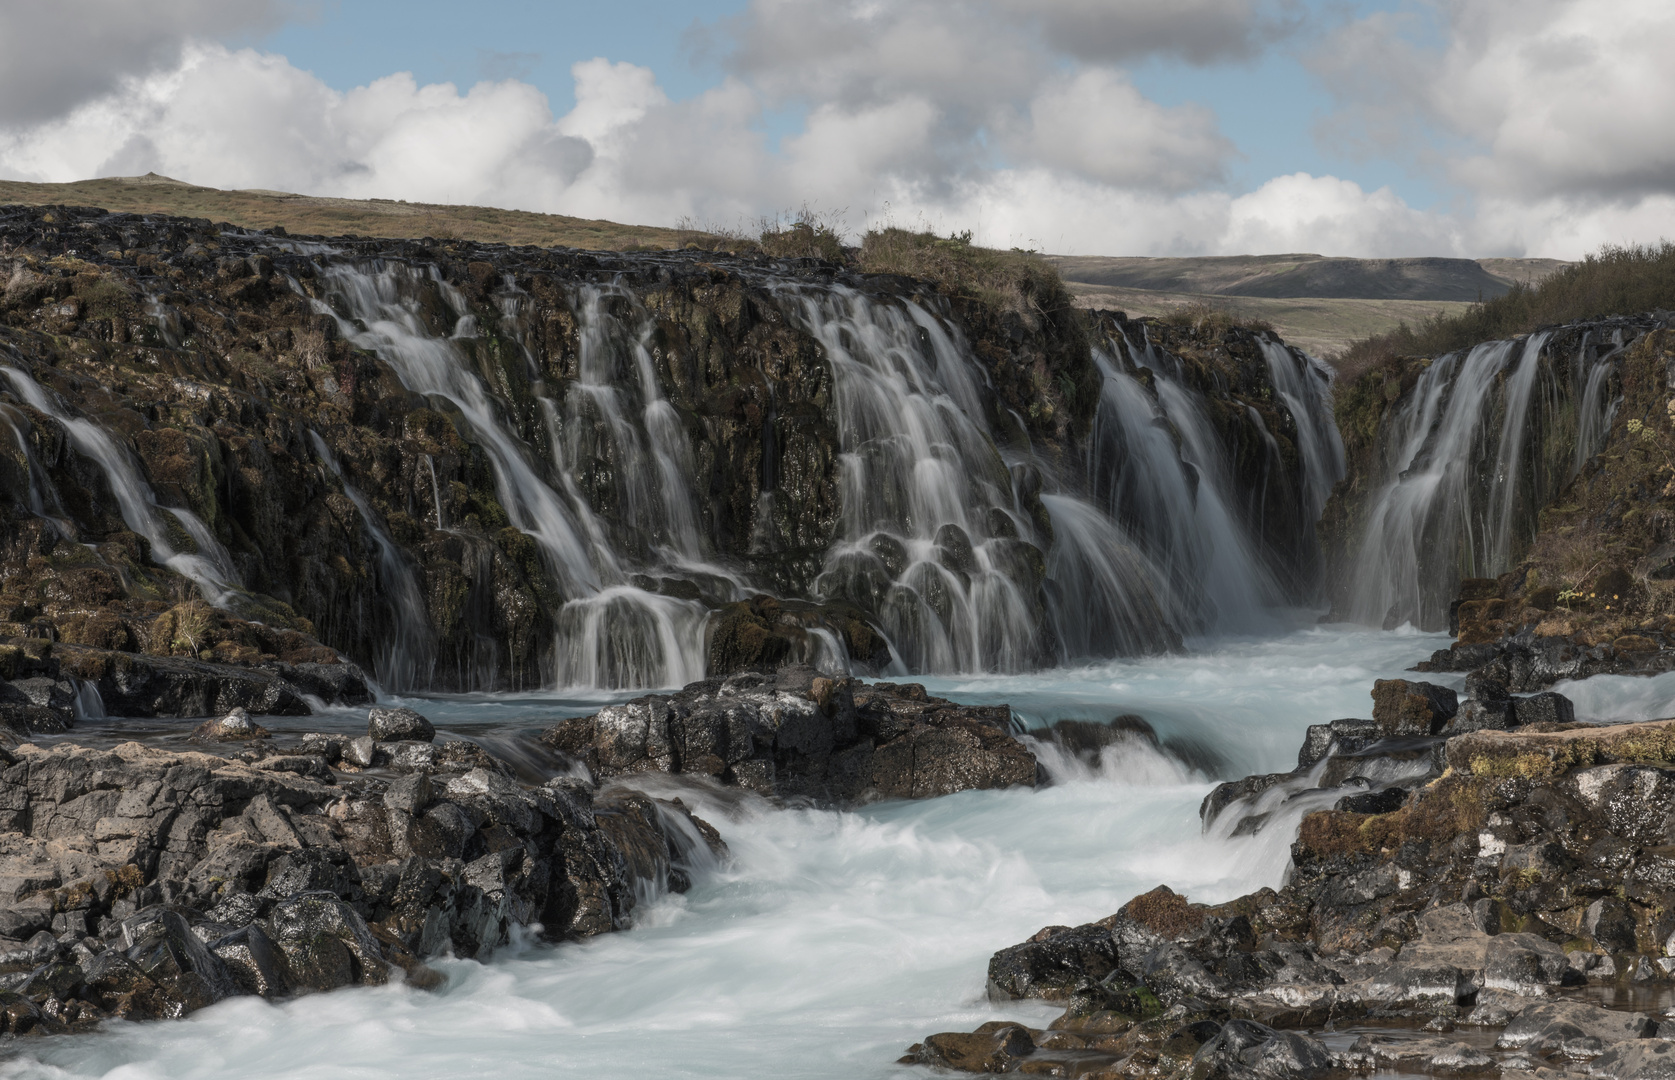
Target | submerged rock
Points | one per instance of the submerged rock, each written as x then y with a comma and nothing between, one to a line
799,733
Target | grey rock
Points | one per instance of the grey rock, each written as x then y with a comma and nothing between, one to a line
1549,1025
409,794
1544,708
398,725
361,752
255,964
1246,1050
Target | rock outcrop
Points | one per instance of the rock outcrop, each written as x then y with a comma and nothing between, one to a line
1490,895
141,883
46,685
797,733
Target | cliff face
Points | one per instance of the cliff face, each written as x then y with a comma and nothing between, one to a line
468,466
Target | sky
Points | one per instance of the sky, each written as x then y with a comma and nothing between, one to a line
1100,127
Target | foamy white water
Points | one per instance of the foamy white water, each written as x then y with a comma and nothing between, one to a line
832,940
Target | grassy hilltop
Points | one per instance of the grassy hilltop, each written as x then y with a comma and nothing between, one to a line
1325,305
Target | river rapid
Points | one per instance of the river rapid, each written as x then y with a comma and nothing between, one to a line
831,940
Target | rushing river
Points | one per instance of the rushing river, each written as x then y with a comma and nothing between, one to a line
832,939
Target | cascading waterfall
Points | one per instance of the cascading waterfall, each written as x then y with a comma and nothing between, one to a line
406,658
209,566
1109,599
966,557
1158,468
610,632
1304,386
1483,440
930,537
40,491
1599,402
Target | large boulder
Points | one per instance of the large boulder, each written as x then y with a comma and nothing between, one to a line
1404,707
399,725
799,733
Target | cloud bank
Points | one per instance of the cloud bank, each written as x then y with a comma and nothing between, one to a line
1014,118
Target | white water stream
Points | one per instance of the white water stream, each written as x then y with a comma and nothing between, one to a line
832,940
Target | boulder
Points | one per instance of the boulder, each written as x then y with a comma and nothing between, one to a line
1549,1025
798,733
1403,707
398,725
1544,708
1244,1049
236,726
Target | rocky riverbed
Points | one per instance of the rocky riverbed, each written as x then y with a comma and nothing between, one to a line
142,883
147,883
1478,886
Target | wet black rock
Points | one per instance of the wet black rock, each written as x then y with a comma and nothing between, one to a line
1404,707
144,884
1246,1050
799,733
1524,662
1484,897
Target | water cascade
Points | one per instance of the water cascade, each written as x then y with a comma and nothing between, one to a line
611,633
405,658
1304,385
1161,471
1486,437
201,558
931,537
42,496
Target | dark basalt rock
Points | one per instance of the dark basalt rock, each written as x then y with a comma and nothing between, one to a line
1523,662
1484,897
798,733
201,349
143,884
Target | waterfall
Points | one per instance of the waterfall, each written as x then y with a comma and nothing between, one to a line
41,490
1486,437
1160,471
405,659
930,538
1304,385
1599,404
610,633
1109,599
209,566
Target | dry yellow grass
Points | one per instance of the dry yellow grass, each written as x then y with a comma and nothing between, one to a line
318,215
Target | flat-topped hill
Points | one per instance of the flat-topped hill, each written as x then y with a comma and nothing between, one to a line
325,216
1294,276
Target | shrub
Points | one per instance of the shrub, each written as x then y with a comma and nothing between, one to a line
1014,280
810,235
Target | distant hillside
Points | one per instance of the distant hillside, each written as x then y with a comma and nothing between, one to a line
1311,276
153,194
